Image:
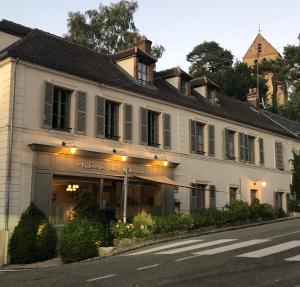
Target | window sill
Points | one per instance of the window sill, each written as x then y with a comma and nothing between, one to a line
114,138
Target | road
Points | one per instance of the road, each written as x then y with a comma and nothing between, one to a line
267,255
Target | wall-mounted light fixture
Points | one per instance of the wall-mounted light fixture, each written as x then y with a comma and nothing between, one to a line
262,182
163,160
121,155
72,146
72,188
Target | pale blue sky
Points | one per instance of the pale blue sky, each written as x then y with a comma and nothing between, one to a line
179,25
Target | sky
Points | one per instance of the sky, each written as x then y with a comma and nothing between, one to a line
179,25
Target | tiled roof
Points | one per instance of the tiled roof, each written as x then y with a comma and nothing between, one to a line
203,81
176,71
56,53
131,52
289,125
14,28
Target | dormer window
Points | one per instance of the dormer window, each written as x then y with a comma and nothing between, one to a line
184,86
142,75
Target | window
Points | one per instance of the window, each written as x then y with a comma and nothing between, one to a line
253,195
279,155
197,137
142,73
184,87
258,48
153,128
247,148
232,194
111,120
212,196
278,204
229,144
211,140
261,152
197,197
61,107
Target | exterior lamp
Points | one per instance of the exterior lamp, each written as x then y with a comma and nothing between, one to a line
263,183
73,148
123,157
165,162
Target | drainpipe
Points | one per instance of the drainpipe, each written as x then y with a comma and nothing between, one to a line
9,162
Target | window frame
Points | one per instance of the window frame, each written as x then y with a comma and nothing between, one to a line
153,132
111,124
261,151
142,73
199,138
230,153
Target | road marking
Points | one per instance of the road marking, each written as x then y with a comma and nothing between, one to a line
102,277
147,267
286,234
271,250
193,247
165,247
295,258
231,247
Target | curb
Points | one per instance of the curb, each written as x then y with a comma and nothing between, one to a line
161,239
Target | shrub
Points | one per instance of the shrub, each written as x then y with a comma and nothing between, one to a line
80,239
280,213
144,225
122,230
34,238
261,210
173,222
293,205
207,217
238,211
87,206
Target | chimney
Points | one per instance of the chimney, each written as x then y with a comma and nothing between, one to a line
143,44
252,98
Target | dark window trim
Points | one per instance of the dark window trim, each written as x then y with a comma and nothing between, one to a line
153,132
108,125
230,153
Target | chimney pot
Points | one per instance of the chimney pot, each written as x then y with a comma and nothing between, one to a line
143,44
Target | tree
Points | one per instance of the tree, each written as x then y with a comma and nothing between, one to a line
295,186
211,60
108,30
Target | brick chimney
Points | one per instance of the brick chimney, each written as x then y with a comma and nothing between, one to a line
252,98
143,44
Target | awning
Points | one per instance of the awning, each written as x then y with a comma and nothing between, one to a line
161,179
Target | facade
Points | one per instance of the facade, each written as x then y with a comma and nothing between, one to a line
74,120
261,50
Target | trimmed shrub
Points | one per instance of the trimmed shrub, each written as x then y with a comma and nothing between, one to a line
173,222
34,238
260,211
87,206
238,211
280,213
207,217
293,205
80,239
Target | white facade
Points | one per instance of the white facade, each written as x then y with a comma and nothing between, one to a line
27,82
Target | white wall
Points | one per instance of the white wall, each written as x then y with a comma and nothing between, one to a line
7,39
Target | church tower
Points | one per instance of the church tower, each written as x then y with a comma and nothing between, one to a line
261,50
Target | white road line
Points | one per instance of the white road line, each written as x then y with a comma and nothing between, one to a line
166,246
193,247
147,267
295,258
286,234
102,277
230,247
271,250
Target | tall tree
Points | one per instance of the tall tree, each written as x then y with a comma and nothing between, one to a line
108,29
235,79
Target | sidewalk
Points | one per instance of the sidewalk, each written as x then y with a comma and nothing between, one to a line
143,243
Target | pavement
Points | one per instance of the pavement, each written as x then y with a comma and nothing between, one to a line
263,255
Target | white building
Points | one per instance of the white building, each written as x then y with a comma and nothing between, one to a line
168,129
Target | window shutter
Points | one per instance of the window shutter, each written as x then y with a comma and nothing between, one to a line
193,136
80,113
144,126
211,140
261,152
227,144
167,131
48,106
279,155
100,117
127,123
241,147
212,196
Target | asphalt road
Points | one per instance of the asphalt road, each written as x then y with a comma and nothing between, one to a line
267,255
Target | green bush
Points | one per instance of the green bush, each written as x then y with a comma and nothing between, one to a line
238,211
173,222
34,238
80,239
280,213
293,205
87,206
207,217
260,211
144,225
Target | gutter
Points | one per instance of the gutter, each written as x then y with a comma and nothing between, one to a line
10,158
